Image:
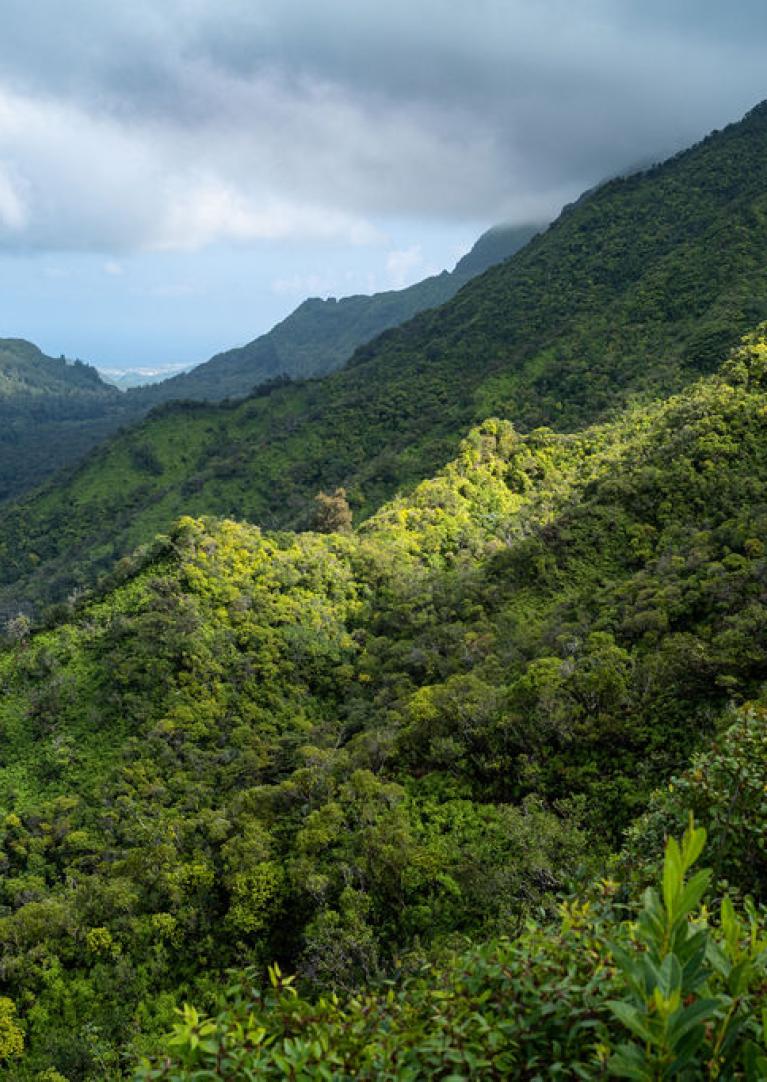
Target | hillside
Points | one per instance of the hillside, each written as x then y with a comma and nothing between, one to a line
351,753
25,370
633,292
51,412
321,335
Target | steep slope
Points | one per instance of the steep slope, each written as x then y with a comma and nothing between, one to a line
321,335
25,370
636,290
330,750
51,412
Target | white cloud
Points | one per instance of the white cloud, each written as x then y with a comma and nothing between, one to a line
401,266
212,210
13,214
93,182
113,268
193,123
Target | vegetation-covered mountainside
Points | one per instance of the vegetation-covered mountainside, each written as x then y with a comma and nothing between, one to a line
347,753
51,411
634,291
24,370
321,335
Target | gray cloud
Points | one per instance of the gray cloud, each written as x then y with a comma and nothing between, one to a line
193,122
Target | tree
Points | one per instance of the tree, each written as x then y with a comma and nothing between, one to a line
18,628
11,1036
332,513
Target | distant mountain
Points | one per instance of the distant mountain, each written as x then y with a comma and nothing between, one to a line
26,370
633,292
51,412
321,335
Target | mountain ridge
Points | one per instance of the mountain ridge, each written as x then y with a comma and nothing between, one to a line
346,753
635,291
321,334
51,409
317,337
24,365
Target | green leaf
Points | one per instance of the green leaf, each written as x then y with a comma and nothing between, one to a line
632,1019
716,958
755,1063
688,1017
669,977
628,1061
692,844
692,894
730,926
672,875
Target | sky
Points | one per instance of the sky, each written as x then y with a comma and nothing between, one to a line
178,175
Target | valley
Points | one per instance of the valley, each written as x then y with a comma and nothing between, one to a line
373,720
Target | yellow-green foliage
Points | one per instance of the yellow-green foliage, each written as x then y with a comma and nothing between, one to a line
634,292
671,995
339,750
11,1035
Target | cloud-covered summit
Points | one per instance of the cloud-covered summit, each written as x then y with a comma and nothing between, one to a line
177,125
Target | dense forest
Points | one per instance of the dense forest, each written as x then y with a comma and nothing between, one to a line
636,290
451,761
321,335
53,412
353,755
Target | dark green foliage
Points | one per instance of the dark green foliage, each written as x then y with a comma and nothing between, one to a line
727,786
355,755
321,335
635,291
51,412
672,996
336,751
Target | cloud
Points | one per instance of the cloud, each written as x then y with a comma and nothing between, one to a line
400,265
88,182
305,285
13,214
191,123
208,210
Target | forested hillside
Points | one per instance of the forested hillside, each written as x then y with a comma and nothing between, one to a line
635,291
51,411
354,754
321,335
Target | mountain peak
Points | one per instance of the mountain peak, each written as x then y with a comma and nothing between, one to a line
495,245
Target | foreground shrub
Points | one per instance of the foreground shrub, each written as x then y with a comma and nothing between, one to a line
670,995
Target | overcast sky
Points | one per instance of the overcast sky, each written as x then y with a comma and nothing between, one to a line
176,175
